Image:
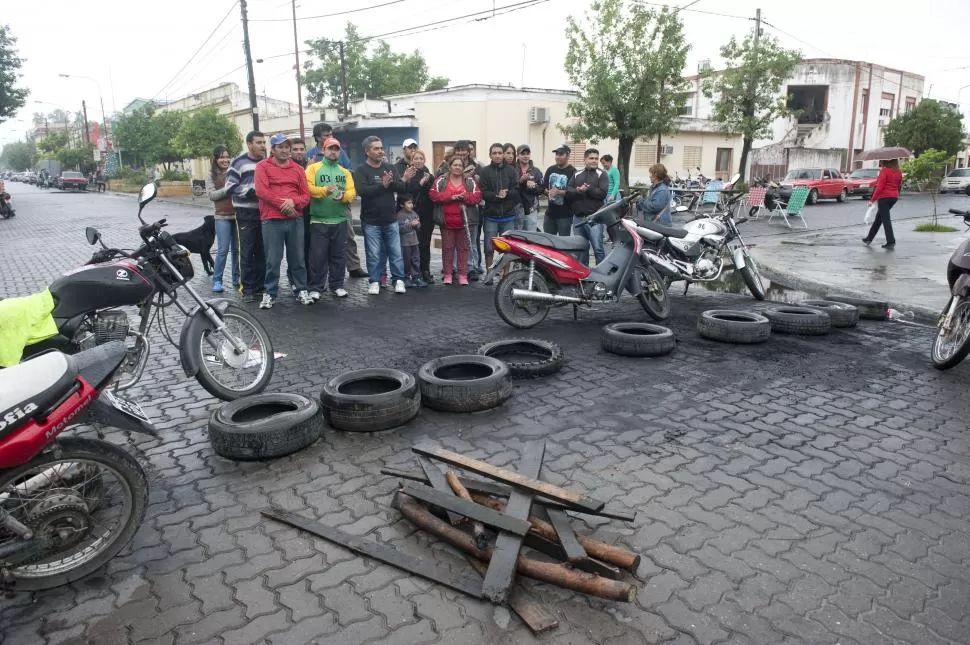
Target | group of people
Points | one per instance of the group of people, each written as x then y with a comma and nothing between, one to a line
297,202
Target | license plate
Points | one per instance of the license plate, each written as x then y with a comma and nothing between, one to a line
130,408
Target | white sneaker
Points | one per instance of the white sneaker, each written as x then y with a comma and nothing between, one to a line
304,298
266,302
399,287
374,288
314,295
340,292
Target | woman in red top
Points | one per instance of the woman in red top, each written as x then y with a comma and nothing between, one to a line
885,195
452,192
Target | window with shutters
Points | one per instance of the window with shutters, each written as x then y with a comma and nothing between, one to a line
644,154
692,157
578,151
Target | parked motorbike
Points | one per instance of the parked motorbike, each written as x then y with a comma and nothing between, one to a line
952,342
772,194
6,208
544,266
221,344
67,505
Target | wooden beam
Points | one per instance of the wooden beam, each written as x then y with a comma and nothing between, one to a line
533,614
574,550
468,509
437,479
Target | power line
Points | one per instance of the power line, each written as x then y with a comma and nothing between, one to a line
686,8
192,57
329,15
188,79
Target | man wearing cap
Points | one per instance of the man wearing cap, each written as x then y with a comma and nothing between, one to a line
331,190
409,146
282,191
559,217
529,187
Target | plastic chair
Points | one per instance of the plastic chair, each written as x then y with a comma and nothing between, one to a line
756,199
796,203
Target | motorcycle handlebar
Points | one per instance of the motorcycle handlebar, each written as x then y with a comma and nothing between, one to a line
960,213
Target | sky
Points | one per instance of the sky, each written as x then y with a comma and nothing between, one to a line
130,49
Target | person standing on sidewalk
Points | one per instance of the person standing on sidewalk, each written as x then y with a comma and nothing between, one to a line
559,218
410,223
613,173
454,194
377,182
498,183
331,190
586,191
885,195
418,187
529,187
241,182
298,156
227,242
281,188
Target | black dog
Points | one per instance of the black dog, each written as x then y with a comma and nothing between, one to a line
199,240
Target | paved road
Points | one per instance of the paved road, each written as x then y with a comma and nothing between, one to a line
804,491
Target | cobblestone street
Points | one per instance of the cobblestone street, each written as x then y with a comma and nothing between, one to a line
807,490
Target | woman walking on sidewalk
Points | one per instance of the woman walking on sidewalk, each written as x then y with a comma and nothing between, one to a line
227,244
885,195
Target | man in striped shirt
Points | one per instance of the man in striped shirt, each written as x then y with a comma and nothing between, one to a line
241,185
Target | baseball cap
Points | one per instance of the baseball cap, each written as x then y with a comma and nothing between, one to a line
563,148
277,139
330,141
408,143
523,148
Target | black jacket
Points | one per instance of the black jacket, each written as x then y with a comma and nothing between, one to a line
493,179
529,196
422,202
377,204
564,175
591,200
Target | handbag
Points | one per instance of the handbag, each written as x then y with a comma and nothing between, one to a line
870,213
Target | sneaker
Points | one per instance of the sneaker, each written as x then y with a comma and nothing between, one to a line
305,298
427,277
249,297
358,273
399,287
216,286
463,280
446,279
374,288
314,295
266,302
474,277
418,282
340,292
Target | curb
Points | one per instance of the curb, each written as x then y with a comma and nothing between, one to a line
163,200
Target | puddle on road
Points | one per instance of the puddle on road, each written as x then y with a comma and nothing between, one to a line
732,282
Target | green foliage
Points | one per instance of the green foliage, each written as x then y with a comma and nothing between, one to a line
18,156
746,93
134,177
203,130
175,175
934,228
12,98
149,137
53,143
741,186
926,171
81,158
377,73
927,126
627,62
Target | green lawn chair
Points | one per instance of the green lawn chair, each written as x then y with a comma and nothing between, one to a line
794,207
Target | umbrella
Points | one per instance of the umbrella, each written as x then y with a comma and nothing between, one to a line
885,154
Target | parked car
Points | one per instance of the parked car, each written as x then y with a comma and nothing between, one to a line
862,182
958,181
822,183
70,180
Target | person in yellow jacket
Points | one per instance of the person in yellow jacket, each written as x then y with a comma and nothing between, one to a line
331,190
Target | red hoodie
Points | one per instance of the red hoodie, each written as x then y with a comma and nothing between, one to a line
275,184
887,185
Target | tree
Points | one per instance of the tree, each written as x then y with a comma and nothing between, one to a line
149,137
53,143
132,134
746,93
18,155
202,130
927,126
81,158
926,171
375,74
163,150
629,87
12,98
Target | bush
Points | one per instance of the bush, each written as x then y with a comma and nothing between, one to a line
134,177
175,175
741,187
934,228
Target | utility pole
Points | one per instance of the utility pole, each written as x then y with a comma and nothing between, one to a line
299,88
84,109
343,81
253,106
757,29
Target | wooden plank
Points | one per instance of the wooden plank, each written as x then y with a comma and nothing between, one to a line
437,479
501,569
532,613
531,484
471,510
413,565
560,522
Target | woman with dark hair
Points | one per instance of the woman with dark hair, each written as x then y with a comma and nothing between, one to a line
227,242
885,195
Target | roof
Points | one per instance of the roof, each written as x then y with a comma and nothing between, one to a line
483,86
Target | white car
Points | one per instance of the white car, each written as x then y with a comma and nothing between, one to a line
958,181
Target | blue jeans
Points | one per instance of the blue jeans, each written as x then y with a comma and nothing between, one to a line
593,233
382,242
494,229
475,252
527,221
277,234
227,244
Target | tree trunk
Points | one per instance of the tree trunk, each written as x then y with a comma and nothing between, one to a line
745,151
659,147
623,159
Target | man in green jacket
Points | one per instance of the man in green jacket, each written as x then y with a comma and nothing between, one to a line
331,190
613,173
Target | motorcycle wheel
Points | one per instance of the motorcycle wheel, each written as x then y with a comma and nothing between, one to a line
229,376
653,294
76,533
950,349
521,315
752,277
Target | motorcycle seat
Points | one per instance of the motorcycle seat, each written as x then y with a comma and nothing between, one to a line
558,242
35,384
665,230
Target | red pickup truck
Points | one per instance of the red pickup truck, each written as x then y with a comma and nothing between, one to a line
822,183
70,180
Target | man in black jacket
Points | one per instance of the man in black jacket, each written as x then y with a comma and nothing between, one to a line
498,182
586,192
559,218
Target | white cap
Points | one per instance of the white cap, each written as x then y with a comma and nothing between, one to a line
408,143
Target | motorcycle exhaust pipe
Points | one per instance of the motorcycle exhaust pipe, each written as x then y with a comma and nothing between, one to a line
538,296
665,267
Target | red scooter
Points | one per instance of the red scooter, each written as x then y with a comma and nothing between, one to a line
67,505
545,271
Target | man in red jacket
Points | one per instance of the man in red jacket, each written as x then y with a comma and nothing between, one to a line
282,192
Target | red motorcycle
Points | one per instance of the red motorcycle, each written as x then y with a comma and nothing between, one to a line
67,505
546,271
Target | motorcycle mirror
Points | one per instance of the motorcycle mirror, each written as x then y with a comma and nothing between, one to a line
734,178
93,235
148,192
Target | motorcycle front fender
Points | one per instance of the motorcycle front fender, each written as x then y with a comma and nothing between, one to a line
961,288
194,326
739,259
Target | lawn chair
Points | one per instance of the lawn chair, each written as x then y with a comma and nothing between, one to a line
712,192
756,199
794,207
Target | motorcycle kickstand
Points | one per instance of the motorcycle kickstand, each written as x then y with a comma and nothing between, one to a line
686,287
575,311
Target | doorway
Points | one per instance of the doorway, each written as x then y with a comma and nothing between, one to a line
723,163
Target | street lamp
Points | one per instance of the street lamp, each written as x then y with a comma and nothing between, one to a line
104,115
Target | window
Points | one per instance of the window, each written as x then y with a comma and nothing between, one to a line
910,103
886,105
644,154
686,110
692,157
578,151
865,101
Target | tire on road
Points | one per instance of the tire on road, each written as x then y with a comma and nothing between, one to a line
729,326
637,339
264,426
464,383
370,400
868,309
804,321
526,357
841,314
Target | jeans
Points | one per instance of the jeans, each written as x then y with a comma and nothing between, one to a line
252,260
353,258
382,242
475,250
882,218
454,240
306,249
527,221
558,225
593,233
327,261
227,245
494,229
277,234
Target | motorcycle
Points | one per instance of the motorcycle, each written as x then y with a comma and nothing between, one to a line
221,344
952,342
67,505
772,195
6,210
697,252
546,265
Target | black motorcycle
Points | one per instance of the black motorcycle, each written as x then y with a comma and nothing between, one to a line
221,344
6,209
772,195
952,343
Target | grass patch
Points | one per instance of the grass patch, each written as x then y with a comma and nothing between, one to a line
934,228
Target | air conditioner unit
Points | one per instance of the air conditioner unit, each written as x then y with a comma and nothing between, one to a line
666,150
538,115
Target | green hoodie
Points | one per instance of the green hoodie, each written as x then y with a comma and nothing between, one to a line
324,209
